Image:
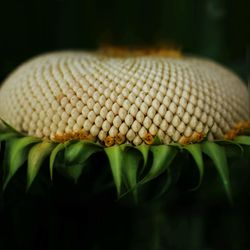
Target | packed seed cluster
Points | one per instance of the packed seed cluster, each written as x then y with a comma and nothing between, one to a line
122,99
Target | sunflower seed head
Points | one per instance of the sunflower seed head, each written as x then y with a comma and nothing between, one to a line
76,95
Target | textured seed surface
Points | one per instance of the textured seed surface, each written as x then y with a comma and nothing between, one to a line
118,99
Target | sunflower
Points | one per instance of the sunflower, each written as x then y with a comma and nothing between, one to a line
142,109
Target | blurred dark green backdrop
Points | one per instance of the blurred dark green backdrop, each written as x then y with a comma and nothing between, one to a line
218,29
215,28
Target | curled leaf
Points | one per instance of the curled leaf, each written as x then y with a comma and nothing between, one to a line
76,156
144,149
115,156
59,147
37,155
4,136
17,149
231,147
243,139
131,166
74,171
218,156
80,151
163,155
196,152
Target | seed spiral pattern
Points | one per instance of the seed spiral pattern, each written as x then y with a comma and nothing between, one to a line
122,99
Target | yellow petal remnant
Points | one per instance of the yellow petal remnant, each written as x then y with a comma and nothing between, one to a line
239,129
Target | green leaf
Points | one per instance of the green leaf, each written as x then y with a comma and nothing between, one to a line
177,145
17,154
7,135
76,155
144,149
196,152
163,155
36,156
232,147
131,165
59,147
80,151
73,171
218,156
244,140
115,156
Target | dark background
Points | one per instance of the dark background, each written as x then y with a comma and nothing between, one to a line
218,29
57,219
